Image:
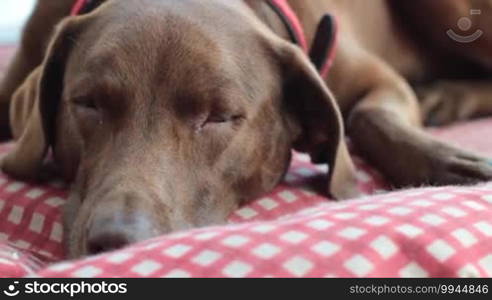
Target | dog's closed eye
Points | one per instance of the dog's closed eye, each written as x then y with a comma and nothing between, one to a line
87,110
215,119
87,103
223,118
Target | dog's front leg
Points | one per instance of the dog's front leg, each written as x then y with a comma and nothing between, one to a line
385,126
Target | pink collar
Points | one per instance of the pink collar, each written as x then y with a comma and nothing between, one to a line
291,21
81,7
322,52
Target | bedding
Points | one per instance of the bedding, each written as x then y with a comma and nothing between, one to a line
292,232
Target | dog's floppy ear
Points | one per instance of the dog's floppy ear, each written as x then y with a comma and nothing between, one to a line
25,159
318,117
34,107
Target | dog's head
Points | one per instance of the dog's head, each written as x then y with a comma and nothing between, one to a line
168,114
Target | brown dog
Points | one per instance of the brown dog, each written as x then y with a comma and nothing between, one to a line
168,114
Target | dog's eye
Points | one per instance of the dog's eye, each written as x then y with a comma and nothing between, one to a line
86,103
222,119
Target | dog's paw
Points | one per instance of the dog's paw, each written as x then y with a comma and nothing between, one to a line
446,102
449,165
430,162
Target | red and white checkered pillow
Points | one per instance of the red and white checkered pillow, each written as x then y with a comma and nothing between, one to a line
291,232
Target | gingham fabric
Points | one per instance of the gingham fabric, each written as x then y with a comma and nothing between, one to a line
292,232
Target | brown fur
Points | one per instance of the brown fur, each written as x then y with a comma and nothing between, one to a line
168,114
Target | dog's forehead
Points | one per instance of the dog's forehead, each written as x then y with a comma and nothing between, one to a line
165,51
165,21
196,66
217,14
159,35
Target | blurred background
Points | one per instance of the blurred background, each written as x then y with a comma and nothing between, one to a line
13,14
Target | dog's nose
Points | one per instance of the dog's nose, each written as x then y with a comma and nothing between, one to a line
107,241
114,231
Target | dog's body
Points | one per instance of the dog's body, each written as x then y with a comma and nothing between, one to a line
168,114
